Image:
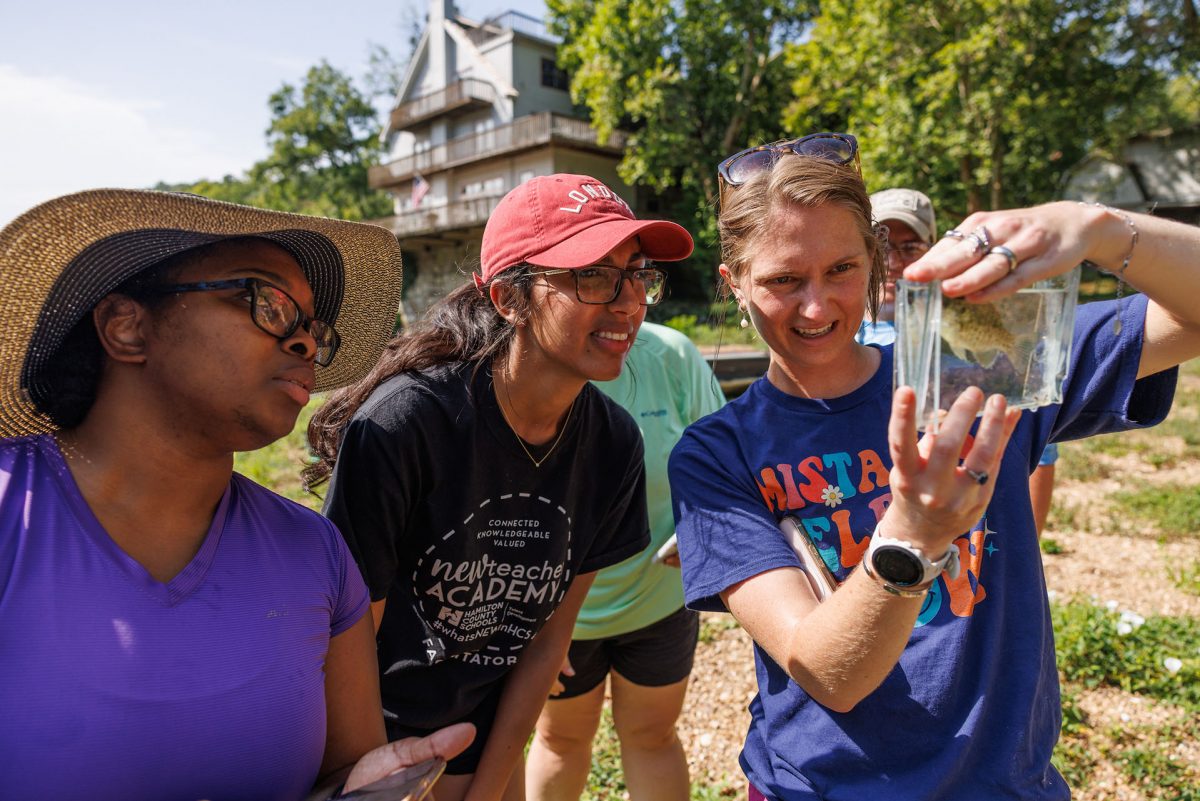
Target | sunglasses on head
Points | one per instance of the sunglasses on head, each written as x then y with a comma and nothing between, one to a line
272,310
835,147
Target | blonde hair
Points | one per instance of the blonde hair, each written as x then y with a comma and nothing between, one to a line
746,212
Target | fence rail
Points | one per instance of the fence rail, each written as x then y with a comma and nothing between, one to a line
525,132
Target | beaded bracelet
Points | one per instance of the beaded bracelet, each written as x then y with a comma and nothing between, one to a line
1120,272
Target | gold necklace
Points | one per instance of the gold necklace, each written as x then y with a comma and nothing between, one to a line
521,442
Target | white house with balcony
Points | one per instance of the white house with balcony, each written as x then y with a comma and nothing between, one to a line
482,108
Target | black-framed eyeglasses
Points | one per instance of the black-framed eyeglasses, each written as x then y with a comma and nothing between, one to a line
907,251
836,147
272,310
600,284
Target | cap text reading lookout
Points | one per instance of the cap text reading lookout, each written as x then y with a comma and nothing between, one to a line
570,221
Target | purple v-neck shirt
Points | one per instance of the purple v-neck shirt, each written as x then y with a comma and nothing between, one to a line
116,686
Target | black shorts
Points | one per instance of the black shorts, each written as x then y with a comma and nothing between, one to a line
654,656
482,716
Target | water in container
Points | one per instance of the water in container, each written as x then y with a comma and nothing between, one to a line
1018,346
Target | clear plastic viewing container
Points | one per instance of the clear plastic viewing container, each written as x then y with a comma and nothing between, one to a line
1018,346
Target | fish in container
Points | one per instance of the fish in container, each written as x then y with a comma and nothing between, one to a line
1018,346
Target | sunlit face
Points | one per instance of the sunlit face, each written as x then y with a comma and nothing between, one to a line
898,257
582,340
805,291
239,387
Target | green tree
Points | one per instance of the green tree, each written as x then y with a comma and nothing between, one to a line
323,136
981,103
693,80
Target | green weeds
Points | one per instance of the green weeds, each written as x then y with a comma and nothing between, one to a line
1174,509
1156,656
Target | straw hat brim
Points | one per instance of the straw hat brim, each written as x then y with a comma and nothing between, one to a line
62,257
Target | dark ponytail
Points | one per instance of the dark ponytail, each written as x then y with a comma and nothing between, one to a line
464,326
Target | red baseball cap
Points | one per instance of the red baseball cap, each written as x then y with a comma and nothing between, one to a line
570,221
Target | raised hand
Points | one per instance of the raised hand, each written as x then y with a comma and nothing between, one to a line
934,498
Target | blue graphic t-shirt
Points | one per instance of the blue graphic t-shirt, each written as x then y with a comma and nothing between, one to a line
972,710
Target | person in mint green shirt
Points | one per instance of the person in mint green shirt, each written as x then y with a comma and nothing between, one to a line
633,624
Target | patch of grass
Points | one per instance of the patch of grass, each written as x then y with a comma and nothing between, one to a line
1077,463
1051,546
1073,755
1062,518
1147,757
719,791
1173,508
711,628
606,780
1097,646
278,465
1186,578
1182,423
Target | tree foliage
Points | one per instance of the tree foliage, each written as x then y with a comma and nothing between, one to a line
692,80
323,136
980,103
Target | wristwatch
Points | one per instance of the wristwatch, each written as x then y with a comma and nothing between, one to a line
902,569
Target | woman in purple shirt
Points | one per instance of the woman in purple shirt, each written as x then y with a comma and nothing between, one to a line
170,629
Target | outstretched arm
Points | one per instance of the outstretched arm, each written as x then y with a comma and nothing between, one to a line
1049,240
841,650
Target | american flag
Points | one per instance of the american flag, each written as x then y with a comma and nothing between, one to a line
420,188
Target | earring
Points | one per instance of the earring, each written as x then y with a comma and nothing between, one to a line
744,323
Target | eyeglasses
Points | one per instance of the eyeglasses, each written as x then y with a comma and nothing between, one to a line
741,166
600,284
908,251
272,310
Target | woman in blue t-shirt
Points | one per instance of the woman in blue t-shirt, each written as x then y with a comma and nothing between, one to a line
929,673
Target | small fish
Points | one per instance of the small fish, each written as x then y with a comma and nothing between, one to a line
978,332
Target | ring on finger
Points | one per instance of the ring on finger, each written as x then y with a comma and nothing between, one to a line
982,240
954,233
1001,250
980,477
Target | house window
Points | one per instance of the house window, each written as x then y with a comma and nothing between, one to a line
554,77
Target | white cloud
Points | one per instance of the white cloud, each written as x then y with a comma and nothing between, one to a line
59,135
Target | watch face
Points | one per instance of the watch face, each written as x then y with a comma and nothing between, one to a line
898,566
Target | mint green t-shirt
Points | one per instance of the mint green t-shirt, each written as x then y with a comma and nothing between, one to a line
666,385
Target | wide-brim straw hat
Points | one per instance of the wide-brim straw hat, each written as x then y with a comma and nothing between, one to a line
59,259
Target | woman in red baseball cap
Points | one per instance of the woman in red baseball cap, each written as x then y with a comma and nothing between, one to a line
480,480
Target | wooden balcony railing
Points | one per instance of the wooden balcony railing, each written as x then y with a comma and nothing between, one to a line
464,94
432,219
520,134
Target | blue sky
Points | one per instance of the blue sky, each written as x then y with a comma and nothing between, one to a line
130,92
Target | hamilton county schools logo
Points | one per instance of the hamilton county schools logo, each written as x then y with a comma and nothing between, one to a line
486,586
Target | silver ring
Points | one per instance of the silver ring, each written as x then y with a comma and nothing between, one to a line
983,241
1000,250
954,233
980,477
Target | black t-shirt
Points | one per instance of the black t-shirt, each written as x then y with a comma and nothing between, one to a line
472,545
